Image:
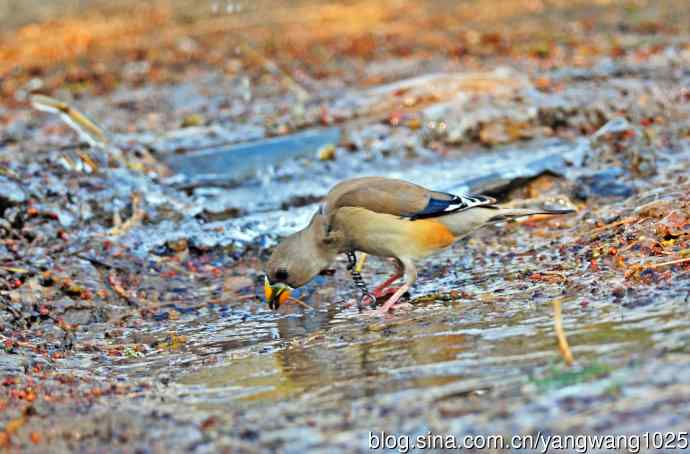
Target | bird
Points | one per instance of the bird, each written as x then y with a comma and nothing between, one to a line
384,217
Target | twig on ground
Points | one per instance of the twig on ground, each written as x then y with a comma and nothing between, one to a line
137,217
563,346
672,262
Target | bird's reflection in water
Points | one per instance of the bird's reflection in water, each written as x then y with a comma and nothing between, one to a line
333,353
333,363
343,363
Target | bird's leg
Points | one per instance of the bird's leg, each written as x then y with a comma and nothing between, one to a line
410,277
355,267
394,298
360,262
379,290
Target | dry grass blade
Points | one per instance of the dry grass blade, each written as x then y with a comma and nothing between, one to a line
137,217
69,160
636,270
87,129
613,225
563,346
548,276
13,269
87,160
672,262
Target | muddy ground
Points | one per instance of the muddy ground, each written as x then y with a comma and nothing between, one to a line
129,310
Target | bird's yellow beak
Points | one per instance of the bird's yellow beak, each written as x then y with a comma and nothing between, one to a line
275,294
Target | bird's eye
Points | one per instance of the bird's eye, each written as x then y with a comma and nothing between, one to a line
281,275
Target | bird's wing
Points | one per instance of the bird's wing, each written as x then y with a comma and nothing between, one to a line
460,202
400,198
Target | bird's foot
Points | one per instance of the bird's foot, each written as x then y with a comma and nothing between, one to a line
399,292
388,293
365,300
380,293
382,288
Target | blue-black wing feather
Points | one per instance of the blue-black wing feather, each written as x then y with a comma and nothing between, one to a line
452,203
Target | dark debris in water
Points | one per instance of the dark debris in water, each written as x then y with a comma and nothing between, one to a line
605,183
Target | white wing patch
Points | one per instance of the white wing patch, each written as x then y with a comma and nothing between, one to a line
454,204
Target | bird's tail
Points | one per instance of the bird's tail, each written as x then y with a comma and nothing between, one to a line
465,222
503,214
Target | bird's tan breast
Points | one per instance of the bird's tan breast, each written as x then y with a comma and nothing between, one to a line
387,235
